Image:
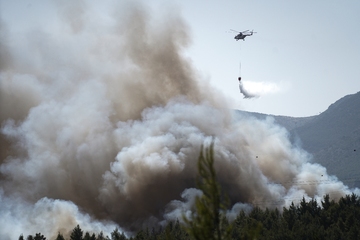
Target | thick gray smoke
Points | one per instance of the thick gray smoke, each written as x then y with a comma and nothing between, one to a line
102,122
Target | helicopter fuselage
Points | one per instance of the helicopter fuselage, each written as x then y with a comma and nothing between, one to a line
241,36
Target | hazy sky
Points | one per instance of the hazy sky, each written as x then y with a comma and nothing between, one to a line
304,57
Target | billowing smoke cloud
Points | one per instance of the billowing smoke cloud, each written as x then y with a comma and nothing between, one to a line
252,89
102,123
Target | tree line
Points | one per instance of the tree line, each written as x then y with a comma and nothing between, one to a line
328,219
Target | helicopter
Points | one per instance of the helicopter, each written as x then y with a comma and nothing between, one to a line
242,35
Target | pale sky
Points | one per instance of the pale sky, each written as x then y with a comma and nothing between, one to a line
307,53
304,56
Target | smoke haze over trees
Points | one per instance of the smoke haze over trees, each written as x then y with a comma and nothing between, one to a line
308,220
102,121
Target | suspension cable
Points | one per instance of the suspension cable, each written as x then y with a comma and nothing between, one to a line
240,61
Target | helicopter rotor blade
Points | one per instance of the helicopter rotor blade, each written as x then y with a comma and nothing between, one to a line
234,30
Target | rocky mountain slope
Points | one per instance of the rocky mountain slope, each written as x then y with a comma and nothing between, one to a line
332,137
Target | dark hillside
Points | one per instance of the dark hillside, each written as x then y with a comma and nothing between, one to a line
339,121
332,137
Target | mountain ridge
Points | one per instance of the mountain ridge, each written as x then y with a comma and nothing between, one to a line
332,137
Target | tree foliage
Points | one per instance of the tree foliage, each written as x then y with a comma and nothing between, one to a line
77,233
60,237
206,222
308,220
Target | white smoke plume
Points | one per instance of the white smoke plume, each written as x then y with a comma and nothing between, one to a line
102,122
251,89
52,215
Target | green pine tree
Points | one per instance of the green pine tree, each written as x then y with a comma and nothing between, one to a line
206,223
77,233
30,237
116,235
101,236
60,237
38,236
